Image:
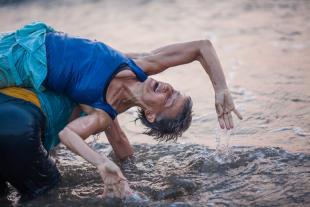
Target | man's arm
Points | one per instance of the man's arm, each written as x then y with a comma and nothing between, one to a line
165,57
73,136
134,55
182,53
75,132
118,140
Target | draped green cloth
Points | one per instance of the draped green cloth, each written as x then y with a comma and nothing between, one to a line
23,63
23,56
58,109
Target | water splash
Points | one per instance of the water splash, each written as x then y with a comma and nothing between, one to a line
136,197
223,151
188,175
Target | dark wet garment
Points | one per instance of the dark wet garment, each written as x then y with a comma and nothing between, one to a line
24,162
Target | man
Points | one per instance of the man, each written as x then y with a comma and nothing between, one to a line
104,82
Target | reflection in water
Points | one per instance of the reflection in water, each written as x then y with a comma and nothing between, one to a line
188,175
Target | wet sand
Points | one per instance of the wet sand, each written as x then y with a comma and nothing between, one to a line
263,47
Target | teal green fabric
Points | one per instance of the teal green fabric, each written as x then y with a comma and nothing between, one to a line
57,109
23,63
23,56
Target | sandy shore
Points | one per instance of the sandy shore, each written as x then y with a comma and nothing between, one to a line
264,47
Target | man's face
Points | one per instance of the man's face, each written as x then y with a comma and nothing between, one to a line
162,99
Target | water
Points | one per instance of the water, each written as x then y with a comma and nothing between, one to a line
223,152
187,175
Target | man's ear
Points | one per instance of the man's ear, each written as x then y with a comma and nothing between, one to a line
150,116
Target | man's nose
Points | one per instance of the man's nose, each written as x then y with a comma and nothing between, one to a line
169,89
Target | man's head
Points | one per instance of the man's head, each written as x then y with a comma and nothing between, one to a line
166,113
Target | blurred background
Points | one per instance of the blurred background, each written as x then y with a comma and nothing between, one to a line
264,48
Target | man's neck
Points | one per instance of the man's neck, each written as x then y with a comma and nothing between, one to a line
123,94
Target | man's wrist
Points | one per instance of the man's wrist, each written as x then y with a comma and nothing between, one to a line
221,89
101,161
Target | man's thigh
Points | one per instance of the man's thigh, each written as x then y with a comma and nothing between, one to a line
23,160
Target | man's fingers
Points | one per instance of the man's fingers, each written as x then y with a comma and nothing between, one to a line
219,109
238,114
126,189
226,120
114,190
221,122
105,191
122,189
120,174
231,122
117,190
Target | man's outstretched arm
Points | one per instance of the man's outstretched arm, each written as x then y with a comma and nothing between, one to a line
168,56
182,53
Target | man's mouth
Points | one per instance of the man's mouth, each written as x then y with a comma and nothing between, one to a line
155,87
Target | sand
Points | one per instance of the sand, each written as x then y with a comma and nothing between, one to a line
264,48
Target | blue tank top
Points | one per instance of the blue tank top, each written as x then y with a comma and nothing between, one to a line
82,69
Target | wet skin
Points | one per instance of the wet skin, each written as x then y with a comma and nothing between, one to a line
164,100
158,99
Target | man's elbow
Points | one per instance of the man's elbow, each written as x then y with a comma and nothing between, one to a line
202,46
64,134
206,43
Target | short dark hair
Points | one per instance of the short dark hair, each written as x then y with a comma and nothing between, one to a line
166,129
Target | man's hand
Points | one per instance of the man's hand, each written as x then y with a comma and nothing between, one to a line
115,184
224,105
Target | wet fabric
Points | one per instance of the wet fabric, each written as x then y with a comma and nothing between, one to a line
83,69
23,56
21,93
24,162
57,109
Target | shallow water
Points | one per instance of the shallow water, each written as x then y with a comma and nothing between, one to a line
188,175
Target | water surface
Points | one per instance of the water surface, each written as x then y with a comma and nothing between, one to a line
188,175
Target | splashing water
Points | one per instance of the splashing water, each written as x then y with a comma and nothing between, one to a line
137,197
174,175
223,151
